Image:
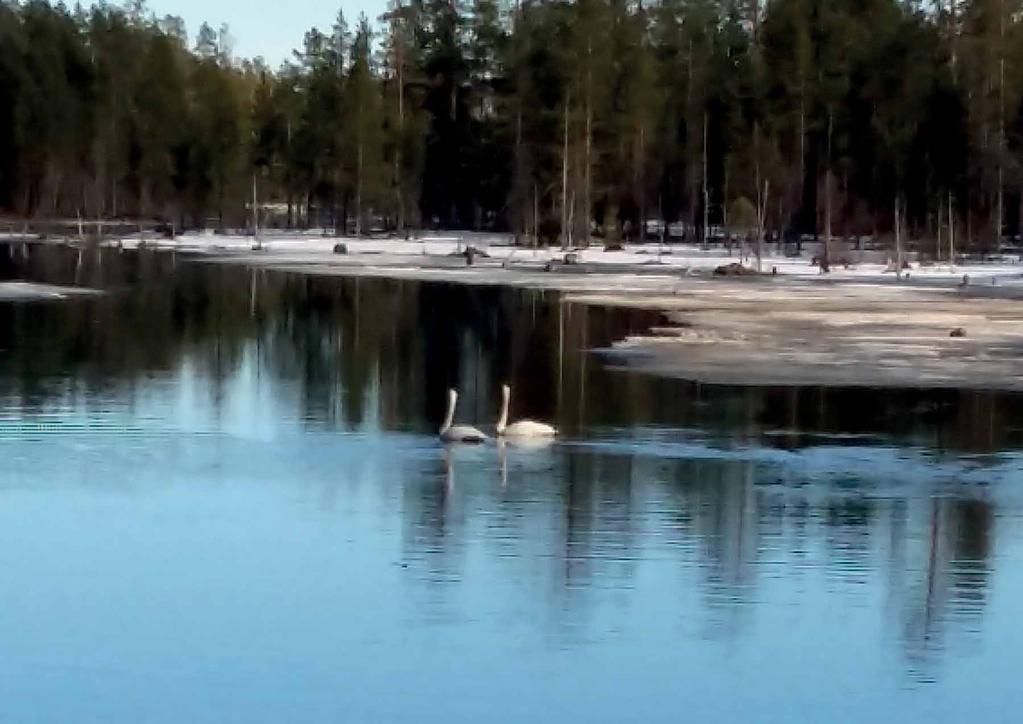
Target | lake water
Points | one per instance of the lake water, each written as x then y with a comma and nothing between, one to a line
222,499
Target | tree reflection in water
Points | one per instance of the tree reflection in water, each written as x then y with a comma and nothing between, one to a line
733,491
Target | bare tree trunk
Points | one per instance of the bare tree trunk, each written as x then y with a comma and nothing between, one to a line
969,221
588,148
690,140
571,214
399,159
802,161
358,190
536,218
565,240
762,198
663,229
98,190
762,223
520,176
288,183
1019,221
641,184
827,192
724,212
220,201
340,229
898,240
951,234
706,188
954,35
999,221
255,207
521,188
756,185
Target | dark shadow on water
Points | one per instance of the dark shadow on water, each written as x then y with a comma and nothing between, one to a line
351,343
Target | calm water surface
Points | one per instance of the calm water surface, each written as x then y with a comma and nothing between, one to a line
222,500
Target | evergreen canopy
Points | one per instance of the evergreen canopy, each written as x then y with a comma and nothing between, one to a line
559,117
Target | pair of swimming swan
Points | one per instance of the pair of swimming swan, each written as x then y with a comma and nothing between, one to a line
450,432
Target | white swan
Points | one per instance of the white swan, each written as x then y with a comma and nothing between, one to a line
522,428
458,433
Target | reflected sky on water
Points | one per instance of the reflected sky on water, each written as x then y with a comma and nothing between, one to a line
222,499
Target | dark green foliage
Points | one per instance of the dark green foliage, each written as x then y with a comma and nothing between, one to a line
556,118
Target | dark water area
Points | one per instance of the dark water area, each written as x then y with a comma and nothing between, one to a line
222,499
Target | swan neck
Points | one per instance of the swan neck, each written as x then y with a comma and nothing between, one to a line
502,422
450,417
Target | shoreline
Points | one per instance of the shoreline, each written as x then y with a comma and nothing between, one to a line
852,328
853,331
852,338
22,291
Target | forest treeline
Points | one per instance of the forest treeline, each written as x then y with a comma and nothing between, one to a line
559,118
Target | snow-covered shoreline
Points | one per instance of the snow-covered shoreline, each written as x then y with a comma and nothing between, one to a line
433,256
858,326
19,291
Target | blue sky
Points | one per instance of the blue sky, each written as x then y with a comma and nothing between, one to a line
267,28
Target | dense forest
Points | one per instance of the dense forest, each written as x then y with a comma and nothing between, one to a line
782,117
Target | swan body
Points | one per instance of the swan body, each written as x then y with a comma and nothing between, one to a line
458,433
521,428
529,428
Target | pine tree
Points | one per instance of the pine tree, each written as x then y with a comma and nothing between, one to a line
363,151
827,117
